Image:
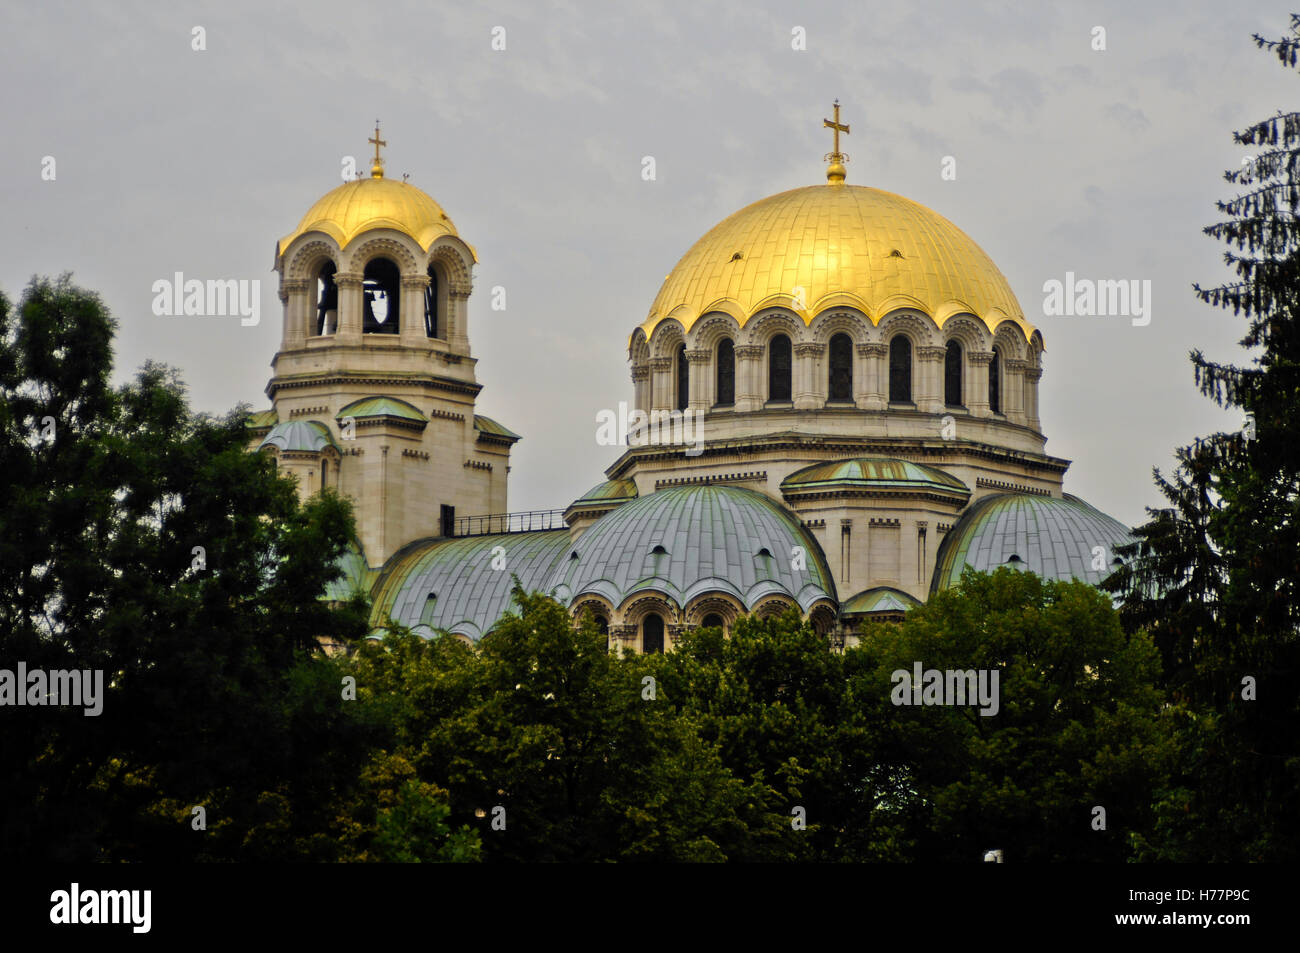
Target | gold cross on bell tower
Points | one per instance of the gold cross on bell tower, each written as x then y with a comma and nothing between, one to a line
377,170
835,171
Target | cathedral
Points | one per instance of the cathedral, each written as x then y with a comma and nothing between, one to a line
861,389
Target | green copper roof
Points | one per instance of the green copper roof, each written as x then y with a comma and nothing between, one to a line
489,426
262,418
382,407
873,472
357,576
879,599
1056,538
608,491
311,436
469,593
685,541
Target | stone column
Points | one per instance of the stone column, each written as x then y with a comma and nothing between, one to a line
661,383
977,388
928,395
869,385
809,386
1014,391
1032,376
749,387
349,285
701,383
457,332
293,292
411,330
641,387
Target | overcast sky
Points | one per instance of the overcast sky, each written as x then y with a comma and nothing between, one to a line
1103,163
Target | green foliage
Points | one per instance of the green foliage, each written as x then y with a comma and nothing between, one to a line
1217,577
1077,727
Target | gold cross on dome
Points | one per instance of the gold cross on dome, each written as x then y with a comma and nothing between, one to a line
838,127
377,170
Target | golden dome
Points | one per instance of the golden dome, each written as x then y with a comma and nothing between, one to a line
376,202
836,245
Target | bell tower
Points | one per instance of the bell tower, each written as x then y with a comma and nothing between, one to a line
373,388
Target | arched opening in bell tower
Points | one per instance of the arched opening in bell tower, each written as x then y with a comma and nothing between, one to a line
434,318
327,299
381,284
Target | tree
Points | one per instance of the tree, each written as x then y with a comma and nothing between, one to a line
144,542
1237,540
1077,724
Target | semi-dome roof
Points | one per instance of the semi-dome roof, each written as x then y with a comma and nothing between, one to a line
382,407
365,204
685,541
1056,538
873,473
451,584
309,436
842,245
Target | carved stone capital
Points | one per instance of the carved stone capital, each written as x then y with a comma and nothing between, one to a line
641,372
872,350
1033,373
980,357
699,357
749,352
660,363
410,282
348,279
294,285
1016,366
810,349
934,354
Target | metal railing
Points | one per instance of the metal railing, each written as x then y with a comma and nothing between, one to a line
531,521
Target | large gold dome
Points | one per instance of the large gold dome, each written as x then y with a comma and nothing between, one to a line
824,246
355,207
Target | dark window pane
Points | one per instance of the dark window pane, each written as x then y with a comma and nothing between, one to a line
900,369
683,378
952,375
652,634
778,368
995,382
431,305
726,371
841,367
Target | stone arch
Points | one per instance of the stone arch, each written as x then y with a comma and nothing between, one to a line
455,265
638,348
714,603
391,248
969,332
768,324
666,337
922,331
309,256
829,323
822,617
709,330
769,607
637,607
1010,340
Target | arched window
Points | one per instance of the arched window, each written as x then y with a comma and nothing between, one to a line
726,372
713,621
900,369
324,474
995,381
841,368
952,375
382,284
432,326
778,368
327,300
652,633
683,378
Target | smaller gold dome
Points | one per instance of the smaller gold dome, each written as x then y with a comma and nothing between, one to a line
365,204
